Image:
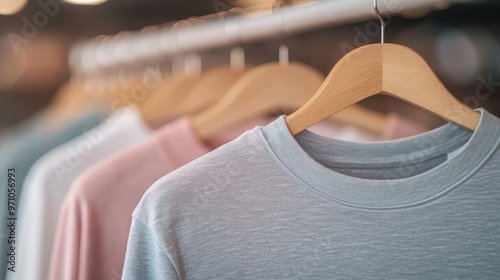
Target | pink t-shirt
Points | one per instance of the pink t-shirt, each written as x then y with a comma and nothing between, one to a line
400,127
102,199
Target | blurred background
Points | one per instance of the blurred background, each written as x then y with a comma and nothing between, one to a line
461,43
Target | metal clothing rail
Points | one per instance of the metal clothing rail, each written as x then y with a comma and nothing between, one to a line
96,55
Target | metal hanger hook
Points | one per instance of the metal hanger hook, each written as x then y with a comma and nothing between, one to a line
278,4
382,21
237,58
283,49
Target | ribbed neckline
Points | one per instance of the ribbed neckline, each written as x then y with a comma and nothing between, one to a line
384,194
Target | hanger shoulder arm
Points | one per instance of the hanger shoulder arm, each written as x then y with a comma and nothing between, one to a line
407,76
356,76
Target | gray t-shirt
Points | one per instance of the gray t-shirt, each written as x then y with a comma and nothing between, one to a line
272,206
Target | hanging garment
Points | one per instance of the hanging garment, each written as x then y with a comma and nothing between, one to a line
272,206
101,190
7,136
176,136
20,154
24,130
50,178
96,215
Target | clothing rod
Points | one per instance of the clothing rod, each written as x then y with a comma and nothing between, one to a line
97,55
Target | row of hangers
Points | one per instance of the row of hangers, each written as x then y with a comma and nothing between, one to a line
390,69
225,96
233,95
374,69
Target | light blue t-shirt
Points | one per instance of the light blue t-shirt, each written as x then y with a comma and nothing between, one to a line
269,205
18,155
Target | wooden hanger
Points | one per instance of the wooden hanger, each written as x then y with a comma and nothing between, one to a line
71,101
78,96
268,88
390,69
185,95
160,105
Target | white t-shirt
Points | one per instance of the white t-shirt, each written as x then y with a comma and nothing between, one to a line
49,180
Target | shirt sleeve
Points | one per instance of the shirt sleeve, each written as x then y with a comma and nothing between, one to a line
145,259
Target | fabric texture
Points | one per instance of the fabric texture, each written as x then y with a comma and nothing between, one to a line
96,215
49,180
269,205
20,154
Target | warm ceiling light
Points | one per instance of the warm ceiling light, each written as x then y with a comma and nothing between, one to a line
10,7
85,2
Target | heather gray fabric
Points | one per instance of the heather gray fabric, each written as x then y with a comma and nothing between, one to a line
272,206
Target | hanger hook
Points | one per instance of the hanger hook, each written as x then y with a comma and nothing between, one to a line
237,58
382,22
278,4
283,55
283,49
